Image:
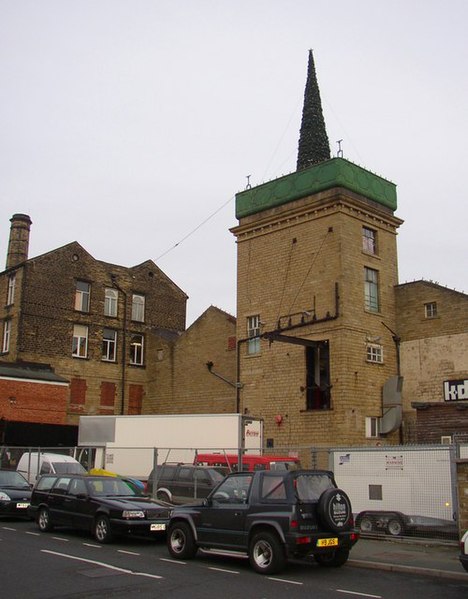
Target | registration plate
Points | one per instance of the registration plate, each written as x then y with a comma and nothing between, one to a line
157,527
22,506
327,542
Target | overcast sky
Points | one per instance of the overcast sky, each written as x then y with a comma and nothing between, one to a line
130,125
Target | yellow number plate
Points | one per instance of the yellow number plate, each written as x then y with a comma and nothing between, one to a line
327,542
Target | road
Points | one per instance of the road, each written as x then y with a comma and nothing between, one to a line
66,564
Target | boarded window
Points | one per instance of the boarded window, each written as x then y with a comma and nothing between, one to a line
135,399
107,394
78,391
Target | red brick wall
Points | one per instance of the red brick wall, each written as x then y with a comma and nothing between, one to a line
33,402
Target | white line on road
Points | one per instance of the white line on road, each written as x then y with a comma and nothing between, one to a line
172,561
359,594
284,580
128,552
222,570
8,528
34,534
102,564
61,539
92,545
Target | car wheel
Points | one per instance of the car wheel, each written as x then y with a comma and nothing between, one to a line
102,529
266,553
163,496
334,559
395,527
366,524
334,510
43,520
180,541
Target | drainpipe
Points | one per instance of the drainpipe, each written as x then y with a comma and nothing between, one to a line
124,344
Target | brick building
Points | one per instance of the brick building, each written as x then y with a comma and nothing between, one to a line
195,371
325,332
90,322
432,326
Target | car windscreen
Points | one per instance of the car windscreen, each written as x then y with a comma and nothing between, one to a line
13,479
110,487
309,487
68,468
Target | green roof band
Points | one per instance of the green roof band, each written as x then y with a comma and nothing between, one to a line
336,172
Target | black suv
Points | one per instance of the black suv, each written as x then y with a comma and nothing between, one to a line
179,483
269,516
104,505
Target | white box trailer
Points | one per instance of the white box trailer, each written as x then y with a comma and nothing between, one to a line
130,445
397,488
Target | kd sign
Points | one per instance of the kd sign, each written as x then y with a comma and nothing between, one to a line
456,390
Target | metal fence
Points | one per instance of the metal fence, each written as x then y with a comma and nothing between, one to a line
394,490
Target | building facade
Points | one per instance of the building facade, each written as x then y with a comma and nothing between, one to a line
91,322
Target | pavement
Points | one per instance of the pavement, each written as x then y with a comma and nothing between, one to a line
423,557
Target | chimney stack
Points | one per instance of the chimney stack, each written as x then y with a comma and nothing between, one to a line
18,245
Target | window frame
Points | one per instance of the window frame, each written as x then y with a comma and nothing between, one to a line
138,307
6,336
374,353
369,240
82,296
430,310
111,302
11,290
134,352
109,345
76,352
371,290
253,334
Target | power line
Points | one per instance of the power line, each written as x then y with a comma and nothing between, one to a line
196,228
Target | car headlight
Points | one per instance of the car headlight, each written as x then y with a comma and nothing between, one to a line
4,496
133,514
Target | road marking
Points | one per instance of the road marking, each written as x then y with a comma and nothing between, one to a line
359,594
102,564
284,580
61,539
8,528
34,534
172,561
223,570
128,552
92,545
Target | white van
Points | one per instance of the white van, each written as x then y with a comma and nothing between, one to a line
32,464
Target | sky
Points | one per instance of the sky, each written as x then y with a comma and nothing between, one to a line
130,125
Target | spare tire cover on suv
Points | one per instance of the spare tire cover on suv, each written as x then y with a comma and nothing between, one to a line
334,510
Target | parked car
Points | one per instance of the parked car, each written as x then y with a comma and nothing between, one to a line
179,483
15,494
32,464
464,551
270,517
106,506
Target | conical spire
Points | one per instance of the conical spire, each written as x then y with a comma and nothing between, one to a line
313,139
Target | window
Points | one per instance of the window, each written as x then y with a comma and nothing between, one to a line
108,391
11,290
80,341
253,332
318,386
136,350
138,307
372,427
374,353
430,310
369,240
371,289
110,302
6,336
109,345
82,294
135,399
78,389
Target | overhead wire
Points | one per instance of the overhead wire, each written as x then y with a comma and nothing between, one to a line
196,228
